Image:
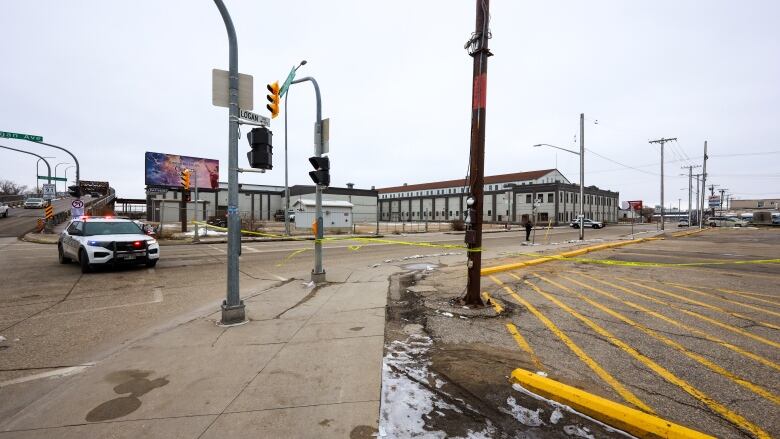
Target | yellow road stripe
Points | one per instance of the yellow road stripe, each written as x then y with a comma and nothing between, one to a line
669,342
493,301
723,411
521,341
603,374
731,328
748,295
611,413
702,293
699,303
692,330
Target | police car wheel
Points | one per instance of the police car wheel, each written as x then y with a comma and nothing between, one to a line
84,262
63,259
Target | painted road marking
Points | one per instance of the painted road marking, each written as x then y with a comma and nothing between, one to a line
702,304
718,408
523,343
157,297
731,328
61,372
493,302
748,295
669,342
590,362
616,415
692,330
702,293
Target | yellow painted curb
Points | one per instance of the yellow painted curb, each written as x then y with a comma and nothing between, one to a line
688,232
638,423
568,254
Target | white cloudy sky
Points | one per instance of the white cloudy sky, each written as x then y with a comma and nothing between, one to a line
111,80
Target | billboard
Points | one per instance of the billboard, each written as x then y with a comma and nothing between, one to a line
165,170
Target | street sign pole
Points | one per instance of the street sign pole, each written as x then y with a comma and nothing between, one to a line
233,309
196,236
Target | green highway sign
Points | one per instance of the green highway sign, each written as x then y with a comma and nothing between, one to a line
43,177
287,83
30,137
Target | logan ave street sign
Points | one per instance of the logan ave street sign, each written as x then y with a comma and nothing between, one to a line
30,137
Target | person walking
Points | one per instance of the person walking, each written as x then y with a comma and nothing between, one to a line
528,227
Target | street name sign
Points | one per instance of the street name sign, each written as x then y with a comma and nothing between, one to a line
220,90
30,137
46,177
287,83
249,118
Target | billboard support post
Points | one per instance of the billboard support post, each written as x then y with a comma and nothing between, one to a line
196,237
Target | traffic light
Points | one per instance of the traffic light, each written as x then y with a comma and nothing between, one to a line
74,191
321,174
273,98
185,179
261,156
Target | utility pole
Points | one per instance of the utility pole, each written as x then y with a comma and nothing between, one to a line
698,199
196,232
582,177
661,142
703,185
477,47
690,190
722,192
233,309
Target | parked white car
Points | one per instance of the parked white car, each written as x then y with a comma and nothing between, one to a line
92,241
4,210
726,221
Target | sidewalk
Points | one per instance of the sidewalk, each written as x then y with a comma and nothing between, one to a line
307,364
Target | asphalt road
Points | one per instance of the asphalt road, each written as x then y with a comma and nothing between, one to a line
687,328
21,221
62,317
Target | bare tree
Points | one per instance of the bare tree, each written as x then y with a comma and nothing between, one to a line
8,187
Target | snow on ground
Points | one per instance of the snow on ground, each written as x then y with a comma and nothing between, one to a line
205,232
407,396
531,418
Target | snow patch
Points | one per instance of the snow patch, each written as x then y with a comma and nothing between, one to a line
531,418
577,431
556,416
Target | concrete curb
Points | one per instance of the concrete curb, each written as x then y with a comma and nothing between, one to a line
633,421
688,233
568,254
37,239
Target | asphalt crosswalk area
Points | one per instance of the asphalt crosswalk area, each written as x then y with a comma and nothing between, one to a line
686,328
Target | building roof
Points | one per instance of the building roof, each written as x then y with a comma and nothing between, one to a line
325,203
492,179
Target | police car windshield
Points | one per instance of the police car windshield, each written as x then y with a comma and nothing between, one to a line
111,228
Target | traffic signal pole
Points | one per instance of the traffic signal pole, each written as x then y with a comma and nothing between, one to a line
478,50
233,310
318,273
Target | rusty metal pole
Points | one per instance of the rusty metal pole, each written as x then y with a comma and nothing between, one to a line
478,49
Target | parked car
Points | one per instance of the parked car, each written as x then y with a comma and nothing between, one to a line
4,210
35,203
587,222
683,222
723,221
92,241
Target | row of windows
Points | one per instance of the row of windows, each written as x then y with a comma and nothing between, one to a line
488,187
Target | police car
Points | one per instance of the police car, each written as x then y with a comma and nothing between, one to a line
92,241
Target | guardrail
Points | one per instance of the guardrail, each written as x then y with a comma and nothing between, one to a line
90,208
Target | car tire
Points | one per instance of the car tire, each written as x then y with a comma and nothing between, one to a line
151,263
61,255
713,225
86,267
595,226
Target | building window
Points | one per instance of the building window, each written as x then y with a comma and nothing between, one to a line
450,213
528,199
490,213
550,198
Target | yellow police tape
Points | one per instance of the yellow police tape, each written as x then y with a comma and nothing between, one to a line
363,240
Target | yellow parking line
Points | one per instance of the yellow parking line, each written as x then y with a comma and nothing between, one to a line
737,349
702,293
493,301
611,413
521,341
733,417
748,295
731,328
699,303
669,342
603,374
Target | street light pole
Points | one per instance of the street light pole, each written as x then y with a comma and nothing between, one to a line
55,174
36,163
233,309
318,273
286,185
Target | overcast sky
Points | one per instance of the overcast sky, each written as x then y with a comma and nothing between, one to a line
110,80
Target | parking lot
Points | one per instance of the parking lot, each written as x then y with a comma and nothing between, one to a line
685,328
